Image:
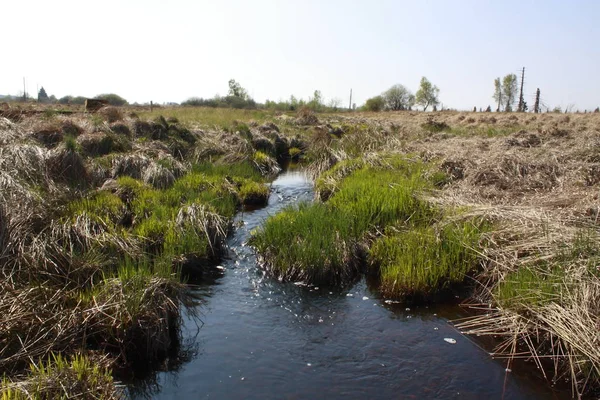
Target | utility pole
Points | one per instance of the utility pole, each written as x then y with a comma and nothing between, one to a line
521,107
350,102
24,91
536,107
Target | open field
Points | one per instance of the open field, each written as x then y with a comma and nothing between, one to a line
102,216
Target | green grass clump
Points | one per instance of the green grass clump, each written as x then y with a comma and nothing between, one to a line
311,242
295,153
328,182
530,287
423,260
71,143
253,193
375,198
320,242
102,207
62,378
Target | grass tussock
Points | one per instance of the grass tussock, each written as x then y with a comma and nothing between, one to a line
59,377
67,249
324,243
425,260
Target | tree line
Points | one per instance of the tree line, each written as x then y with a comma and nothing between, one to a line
396,98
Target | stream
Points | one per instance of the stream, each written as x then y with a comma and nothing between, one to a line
263,339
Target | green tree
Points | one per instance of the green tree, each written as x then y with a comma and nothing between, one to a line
509,91
375,104
293,103
427,95
236,90
498,94
398,97
113,99
316,101
43,96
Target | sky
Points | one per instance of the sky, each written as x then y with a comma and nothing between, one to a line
169,51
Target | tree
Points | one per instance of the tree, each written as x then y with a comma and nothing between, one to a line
427,95
498,94
375,104
293,103
316,101
43,96
335,103
398,97
113,99
236,90
509,90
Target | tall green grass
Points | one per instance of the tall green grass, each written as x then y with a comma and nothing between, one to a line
424,259
530,287
321,243
312,242
324,243
62,378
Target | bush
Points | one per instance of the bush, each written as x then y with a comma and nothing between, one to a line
113,99
375,104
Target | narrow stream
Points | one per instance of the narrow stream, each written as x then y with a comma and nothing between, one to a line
262,339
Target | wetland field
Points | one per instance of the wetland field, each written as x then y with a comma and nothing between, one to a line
185,252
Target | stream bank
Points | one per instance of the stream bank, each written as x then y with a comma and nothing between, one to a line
261,338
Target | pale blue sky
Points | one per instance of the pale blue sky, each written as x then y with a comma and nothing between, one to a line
169,51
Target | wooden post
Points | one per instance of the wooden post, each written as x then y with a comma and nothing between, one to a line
350,102
150,105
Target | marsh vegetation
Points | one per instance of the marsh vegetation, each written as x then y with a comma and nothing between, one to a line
105,217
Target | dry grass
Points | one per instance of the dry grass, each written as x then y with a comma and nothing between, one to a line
534,177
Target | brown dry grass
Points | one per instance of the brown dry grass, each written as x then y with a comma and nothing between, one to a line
536,179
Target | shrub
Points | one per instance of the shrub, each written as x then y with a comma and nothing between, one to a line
376,103
113,99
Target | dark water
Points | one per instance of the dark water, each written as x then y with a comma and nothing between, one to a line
262,339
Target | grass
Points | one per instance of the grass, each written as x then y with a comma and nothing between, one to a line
208,117
530,287
62,378
321,243
485,131
312,242
102,207
424,260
